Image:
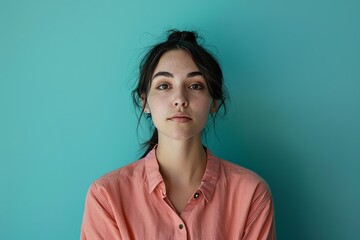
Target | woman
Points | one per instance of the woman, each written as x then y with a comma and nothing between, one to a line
179,189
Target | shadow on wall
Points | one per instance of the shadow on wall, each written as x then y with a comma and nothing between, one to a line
260,137
294,125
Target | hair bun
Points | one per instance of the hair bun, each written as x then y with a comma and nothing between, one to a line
176,35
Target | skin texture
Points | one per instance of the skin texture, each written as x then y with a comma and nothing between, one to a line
173,91
179,103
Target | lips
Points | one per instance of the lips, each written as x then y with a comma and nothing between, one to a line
180,117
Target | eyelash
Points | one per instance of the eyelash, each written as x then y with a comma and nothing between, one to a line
161,85
198,86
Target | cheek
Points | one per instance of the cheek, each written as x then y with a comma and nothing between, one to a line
203,104
157,106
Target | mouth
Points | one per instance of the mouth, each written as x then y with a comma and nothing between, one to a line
180,118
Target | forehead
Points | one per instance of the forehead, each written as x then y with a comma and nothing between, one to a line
176,60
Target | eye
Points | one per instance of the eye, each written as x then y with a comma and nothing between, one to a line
196,86
163,86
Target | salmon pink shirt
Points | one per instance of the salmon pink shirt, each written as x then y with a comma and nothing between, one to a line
131,203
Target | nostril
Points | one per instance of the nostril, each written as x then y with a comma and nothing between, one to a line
183,104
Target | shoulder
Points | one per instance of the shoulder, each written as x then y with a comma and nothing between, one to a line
238,177
122,177
236,172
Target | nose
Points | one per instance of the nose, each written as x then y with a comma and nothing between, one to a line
181,99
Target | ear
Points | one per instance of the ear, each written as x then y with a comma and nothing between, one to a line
145,106
214,106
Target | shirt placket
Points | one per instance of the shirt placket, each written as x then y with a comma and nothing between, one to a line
181,231
181,221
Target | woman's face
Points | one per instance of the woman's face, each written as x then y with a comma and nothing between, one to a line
178,99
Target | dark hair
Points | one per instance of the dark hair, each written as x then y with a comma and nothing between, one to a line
207,64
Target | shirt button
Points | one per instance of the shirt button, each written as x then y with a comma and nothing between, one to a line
181,226
196,195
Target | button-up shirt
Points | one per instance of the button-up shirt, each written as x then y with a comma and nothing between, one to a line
131,203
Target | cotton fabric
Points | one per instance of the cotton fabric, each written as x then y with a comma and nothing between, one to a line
131,203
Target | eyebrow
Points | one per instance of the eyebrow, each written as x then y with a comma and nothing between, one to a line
167,74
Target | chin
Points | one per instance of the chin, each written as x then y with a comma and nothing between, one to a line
182,136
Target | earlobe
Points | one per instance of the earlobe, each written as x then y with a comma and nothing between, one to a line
146,110
214,106
145,106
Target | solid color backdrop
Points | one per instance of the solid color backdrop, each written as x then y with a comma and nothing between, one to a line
292,69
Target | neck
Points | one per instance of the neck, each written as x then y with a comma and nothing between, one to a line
181,162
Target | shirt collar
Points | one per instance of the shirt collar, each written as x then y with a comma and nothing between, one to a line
152,169
208,182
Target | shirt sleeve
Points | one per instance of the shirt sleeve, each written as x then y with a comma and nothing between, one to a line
98,220
261,222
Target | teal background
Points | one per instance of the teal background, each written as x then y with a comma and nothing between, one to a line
292,69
